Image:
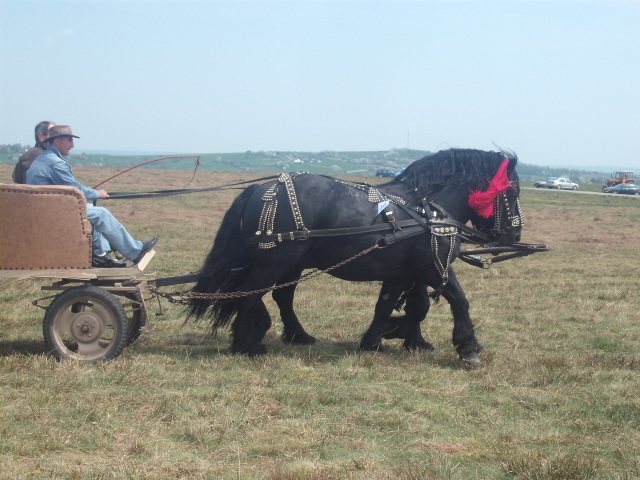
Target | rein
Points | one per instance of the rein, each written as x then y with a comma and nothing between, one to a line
183,191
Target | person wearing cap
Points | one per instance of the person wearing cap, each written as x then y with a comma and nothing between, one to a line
52,168
27,158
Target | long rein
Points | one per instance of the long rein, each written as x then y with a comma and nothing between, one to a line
184,191
475,236
435,218
471,235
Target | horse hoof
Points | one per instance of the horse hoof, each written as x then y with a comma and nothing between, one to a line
258,351
471,359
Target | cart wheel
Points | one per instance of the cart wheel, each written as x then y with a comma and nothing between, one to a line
86,324
137,315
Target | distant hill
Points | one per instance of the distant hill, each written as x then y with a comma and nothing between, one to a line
325,162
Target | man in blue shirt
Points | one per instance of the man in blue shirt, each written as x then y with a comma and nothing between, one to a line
52,168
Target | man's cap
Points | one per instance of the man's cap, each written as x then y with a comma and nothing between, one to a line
61,131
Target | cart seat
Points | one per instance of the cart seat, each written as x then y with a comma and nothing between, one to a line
43,227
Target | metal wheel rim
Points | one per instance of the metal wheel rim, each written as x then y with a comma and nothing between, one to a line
84,328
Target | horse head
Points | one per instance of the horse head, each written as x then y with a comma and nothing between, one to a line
496,210
471,185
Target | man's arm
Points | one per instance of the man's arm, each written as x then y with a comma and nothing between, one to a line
61,174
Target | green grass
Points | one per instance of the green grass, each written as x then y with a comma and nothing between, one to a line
555,398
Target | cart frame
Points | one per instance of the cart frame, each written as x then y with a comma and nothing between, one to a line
97,312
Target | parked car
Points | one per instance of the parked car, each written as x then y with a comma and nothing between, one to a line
543,183
623,188
561,183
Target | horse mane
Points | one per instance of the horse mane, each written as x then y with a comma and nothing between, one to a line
456,166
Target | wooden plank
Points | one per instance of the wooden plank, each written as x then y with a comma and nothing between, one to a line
84,274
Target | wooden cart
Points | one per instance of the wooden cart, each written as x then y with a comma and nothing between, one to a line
45,233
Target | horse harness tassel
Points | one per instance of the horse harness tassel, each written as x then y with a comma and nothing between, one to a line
440,235
270,206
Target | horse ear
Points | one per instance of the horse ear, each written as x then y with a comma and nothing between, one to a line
513,159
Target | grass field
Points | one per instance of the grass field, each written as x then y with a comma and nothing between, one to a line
555,398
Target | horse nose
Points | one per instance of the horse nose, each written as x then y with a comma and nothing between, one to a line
513,236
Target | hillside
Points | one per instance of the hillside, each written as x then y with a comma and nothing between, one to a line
325,162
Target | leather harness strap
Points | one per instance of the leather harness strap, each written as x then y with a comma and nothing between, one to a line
401,229
332,232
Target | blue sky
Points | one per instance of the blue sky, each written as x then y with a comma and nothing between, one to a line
558,82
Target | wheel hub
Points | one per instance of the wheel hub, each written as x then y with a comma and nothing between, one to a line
86,327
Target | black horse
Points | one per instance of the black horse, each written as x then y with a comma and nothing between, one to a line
411,229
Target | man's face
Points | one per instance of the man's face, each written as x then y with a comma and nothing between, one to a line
64,144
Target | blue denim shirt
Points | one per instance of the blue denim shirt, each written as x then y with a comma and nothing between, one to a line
51,168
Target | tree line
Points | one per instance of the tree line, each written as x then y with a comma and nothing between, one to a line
525,171
14,148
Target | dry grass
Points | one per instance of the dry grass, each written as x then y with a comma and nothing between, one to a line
556,397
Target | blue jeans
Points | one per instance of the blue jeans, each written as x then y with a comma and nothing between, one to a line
109,234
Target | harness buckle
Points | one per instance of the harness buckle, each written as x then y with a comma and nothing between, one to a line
391,219
305,237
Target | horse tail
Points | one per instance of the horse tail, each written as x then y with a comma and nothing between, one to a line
226,267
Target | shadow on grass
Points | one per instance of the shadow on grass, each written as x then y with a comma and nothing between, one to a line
24,347
196,344
322,352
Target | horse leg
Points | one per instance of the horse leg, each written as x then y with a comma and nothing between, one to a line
464,337
261,320
250,326
293,332
407,326
252,318
381,324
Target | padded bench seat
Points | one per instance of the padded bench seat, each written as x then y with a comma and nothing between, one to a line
43,227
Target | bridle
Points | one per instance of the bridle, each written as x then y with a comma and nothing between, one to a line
506,218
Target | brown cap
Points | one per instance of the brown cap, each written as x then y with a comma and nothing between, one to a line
60,131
